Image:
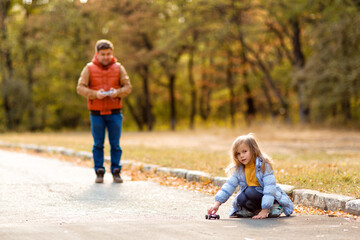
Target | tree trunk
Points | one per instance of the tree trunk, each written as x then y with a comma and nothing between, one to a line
230,85
138,121
304,108
30,107
192,89
266,92
145,75
346,109
268,78
7,71
268,100
261,65
169,64
172,79
206,89
148,114
251,110
29,76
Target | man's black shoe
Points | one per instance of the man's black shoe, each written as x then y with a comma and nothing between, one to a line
116,176
100,175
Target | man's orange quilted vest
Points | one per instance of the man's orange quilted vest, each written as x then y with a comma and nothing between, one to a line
104,77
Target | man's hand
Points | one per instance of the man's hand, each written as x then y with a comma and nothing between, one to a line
214,208
262,214
99,94
114,94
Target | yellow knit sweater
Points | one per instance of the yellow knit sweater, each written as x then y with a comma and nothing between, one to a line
251,179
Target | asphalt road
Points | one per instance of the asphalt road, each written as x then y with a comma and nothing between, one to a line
43,198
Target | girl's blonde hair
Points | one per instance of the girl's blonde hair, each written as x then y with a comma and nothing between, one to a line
255,152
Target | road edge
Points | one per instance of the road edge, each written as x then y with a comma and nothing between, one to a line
306,197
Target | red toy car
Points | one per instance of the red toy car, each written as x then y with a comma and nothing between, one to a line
212,216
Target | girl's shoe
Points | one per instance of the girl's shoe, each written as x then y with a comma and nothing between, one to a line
243,213
275,211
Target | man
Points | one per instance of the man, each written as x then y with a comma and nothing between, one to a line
104,82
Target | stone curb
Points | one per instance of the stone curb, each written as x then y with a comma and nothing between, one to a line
307,197
325,201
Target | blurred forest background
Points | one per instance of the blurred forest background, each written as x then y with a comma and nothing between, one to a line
191,62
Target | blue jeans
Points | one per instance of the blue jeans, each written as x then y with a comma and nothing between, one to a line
113,123
250,199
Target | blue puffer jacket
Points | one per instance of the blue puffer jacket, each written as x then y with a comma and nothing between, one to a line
268,187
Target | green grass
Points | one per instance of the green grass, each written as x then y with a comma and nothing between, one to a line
330,173
213,162
327,161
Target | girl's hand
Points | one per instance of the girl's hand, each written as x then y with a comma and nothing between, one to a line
214,208
262,214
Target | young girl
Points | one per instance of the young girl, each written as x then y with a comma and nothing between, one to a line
259,196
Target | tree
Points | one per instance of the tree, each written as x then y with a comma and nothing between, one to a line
285,20
7,68
138,31
332,74
171,46
231,60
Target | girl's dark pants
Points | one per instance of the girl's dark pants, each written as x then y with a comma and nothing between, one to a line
250,199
